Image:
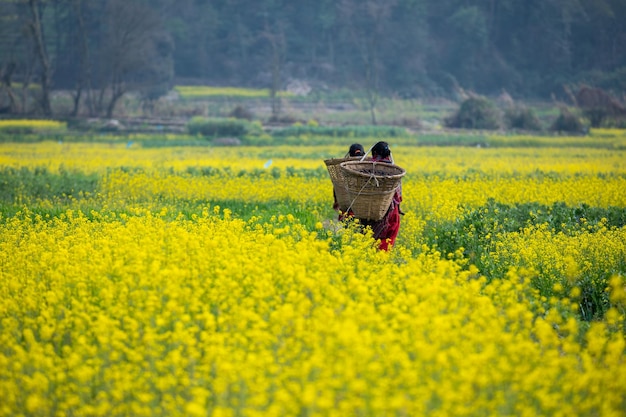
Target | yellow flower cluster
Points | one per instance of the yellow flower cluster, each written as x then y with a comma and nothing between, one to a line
560,253
438,183
565,262
124,187
121,305
138,315
442,198
207,91
608,133
100,158
457,162
32,124
504,162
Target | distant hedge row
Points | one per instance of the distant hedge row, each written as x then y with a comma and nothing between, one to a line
221,127
343,131
233,127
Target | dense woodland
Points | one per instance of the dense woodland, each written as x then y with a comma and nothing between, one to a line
101,49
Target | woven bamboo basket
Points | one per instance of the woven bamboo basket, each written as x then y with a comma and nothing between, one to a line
370,187
337,179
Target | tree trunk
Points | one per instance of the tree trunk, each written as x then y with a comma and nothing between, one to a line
117,91
7,76
373,113
37,33
371,78
275,84
84,80
111,106
99,103
25,85
76,96
372,99
13,106
276,39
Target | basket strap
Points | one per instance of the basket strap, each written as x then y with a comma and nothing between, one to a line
365,154
373,176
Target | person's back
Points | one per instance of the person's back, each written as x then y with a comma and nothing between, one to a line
386,230
381,152
355,150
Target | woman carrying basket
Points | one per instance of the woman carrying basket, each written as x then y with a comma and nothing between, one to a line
386,229
356,149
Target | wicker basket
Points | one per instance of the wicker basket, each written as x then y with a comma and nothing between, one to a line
337,179
370,187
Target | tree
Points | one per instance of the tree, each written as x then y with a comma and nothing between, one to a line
19,58
83,80
274,34
366,23
37,32
6,77
155,80
597,105
130,49
194,27
476,112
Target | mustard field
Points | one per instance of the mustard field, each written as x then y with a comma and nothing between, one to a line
198,92
216,281
26,125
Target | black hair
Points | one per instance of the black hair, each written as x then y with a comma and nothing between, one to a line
381,149
356,149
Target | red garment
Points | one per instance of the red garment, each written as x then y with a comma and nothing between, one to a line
386,229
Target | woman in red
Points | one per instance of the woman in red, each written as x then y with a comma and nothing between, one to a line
386,229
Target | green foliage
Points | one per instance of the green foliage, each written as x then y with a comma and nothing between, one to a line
215,127
18,130
39,183
469,139
496,218
522,117
482,47
342,131
478,231
475,113
241,112
567,122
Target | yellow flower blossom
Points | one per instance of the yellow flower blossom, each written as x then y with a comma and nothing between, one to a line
121,304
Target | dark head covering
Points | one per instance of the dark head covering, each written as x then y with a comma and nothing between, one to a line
356,149
381,150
